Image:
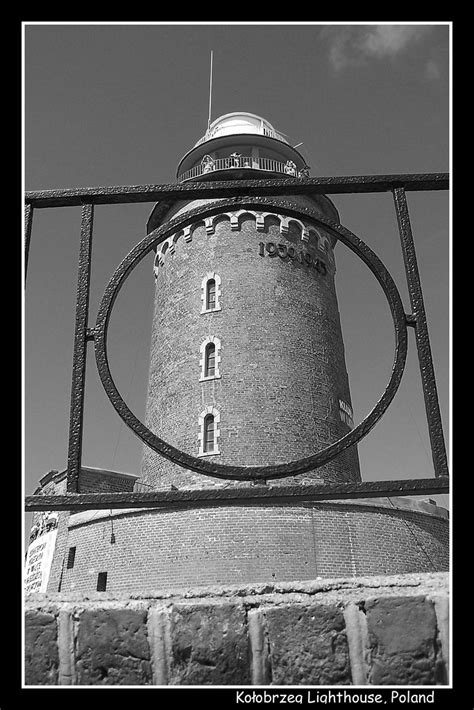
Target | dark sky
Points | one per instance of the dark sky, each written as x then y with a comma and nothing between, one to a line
120,104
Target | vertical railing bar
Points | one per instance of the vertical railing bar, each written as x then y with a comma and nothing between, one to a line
28,225
425,360
80,351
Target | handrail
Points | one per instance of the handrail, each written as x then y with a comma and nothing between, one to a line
242,161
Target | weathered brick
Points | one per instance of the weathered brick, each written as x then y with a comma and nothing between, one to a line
209,645
403,642
282,356
308,645
250,542
41,648
112,648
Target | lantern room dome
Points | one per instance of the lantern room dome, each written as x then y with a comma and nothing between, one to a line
238,123
241,145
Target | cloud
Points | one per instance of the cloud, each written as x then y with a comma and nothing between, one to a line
357,44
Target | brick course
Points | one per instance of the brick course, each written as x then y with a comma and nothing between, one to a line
250,542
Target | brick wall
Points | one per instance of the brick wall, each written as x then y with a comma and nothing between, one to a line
250,541
282,355
366,631
91,480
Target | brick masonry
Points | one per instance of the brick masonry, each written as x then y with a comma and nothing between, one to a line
251,541
245,541
90,481
282,356
364,631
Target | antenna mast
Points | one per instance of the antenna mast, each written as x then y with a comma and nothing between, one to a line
210,93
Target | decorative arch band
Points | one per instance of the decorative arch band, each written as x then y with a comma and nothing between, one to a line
308,233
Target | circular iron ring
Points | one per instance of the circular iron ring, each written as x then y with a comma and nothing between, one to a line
204,466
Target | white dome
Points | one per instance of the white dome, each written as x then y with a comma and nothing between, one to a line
238,123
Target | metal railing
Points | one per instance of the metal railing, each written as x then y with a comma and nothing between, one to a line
247,162
237,192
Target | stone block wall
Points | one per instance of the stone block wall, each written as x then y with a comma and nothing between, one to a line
368,631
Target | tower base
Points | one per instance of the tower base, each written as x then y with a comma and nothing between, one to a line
251,541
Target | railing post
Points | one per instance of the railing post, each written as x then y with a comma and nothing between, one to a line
80,352
425,360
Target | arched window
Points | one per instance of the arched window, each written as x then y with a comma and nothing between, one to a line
210,293
210,358
209,427
209,431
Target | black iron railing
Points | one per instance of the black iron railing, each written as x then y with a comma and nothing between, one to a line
244,193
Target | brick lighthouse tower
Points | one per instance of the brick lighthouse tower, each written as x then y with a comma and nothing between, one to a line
247,358
247,369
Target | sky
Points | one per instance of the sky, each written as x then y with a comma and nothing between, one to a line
116,104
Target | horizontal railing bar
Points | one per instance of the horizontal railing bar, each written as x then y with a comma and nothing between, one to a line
236,188
209,496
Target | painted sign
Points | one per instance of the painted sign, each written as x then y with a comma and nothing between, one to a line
38,560
345,412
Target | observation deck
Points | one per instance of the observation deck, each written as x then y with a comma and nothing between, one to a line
241,145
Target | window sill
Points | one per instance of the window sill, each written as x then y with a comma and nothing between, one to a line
212,310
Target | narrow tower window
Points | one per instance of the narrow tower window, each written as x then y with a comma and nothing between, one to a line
210,293
209,427
102,581
210,358
71,557
209,432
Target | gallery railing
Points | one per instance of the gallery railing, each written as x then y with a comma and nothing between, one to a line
245,194
245,162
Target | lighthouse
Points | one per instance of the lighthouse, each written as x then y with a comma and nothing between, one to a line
247,358
248,370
